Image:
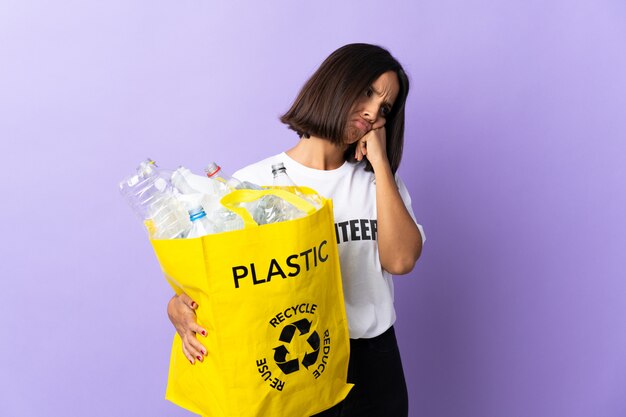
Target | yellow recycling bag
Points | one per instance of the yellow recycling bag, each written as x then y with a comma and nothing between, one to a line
271,300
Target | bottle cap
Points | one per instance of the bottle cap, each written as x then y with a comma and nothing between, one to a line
278,167
212,169
196,213
146,167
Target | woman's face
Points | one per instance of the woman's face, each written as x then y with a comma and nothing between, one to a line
372,107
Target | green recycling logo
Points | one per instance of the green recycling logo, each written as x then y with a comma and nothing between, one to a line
282,354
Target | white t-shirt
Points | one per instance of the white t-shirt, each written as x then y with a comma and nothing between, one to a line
368,288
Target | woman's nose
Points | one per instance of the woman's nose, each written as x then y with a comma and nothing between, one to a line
368,114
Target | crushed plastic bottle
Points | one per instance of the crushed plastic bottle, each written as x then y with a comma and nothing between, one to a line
152,198
188,195
197,183
171,203
189,184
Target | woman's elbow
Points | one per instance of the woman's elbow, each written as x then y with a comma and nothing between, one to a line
401,260
402,265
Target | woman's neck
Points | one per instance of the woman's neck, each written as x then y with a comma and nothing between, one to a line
317,153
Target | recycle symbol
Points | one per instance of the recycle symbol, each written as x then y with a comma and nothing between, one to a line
286,335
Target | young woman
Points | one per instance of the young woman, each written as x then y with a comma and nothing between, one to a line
349,117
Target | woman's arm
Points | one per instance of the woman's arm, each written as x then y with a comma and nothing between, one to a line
399,239
181,311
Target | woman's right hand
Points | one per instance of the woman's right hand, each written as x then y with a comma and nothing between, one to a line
182,314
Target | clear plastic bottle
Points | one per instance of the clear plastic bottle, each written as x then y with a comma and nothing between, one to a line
216,173
282,179
188,195
179,180
222,219
225,219
197,183
273,209
223,184
152,197
139,188
201,225
279,172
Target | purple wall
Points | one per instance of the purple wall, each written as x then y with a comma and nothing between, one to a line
515,159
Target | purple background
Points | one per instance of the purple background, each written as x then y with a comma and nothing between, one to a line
515,158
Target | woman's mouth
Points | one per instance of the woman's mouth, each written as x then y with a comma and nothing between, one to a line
362,125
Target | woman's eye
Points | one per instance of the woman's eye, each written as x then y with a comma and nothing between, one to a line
384,111
368,92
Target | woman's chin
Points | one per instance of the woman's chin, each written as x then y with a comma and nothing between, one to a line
353,135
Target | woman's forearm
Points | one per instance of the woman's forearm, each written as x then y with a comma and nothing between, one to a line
399,239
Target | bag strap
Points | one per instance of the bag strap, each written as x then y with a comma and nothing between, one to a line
231,200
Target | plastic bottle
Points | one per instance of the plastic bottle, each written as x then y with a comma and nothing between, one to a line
200,223
216,173
224,184
282,179
279,172
179,181
197,183
152,197
138,188
222,219
273,209
189,195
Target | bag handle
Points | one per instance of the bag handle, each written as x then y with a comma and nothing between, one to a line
232,199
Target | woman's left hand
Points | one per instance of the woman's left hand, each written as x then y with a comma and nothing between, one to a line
373,146
399,239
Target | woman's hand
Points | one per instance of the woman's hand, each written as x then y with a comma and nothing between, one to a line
181,311
399,239
373,146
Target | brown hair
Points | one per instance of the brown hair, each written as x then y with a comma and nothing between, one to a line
322,106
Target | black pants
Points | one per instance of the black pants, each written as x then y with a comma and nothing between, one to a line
379,389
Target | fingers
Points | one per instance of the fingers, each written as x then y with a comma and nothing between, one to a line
187,301
196,328
372,146
188,355
198,349
189,332
360,150
183,317
192,348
